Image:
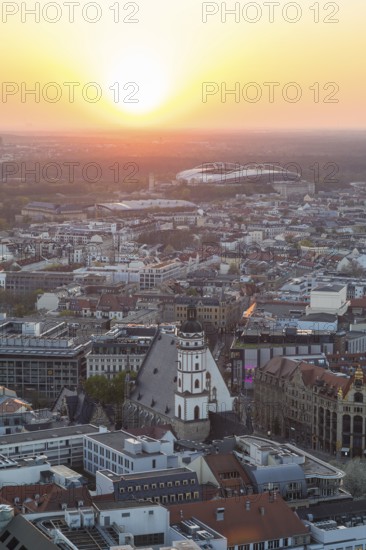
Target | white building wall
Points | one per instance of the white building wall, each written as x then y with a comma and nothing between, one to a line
99,456
140,521
25,475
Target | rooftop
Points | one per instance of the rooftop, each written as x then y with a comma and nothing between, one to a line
245,520
53,433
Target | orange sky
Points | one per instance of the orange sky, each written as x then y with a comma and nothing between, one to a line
171,56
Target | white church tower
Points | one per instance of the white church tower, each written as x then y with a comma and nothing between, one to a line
191,402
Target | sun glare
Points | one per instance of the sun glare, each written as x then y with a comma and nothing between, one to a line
137,83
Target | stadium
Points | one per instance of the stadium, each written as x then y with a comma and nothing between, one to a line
218,173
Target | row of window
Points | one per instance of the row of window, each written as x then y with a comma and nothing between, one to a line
271,545
162,485
165,499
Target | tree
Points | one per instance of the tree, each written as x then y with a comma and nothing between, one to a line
234,270
108,391
355,479
97,387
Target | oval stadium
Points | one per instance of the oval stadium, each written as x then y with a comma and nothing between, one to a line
218,173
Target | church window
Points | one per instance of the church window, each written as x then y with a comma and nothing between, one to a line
196,412
197,383
196,366
179,411
358,397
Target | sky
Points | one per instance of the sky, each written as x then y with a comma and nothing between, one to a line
189,64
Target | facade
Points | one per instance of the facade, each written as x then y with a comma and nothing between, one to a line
29,471
157,274
318,408
161,486
216,312
294,188
255,350
43,362
59,445
298,476
121,349
123,453
328,299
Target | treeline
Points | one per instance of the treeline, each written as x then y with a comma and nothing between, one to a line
17,305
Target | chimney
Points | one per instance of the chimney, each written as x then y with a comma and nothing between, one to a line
220,513
247,505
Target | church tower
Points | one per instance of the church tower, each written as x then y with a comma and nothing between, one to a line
192,392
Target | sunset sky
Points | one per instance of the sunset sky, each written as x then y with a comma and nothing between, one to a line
170,53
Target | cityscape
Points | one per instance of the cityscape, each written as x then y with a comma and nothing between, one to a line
182,276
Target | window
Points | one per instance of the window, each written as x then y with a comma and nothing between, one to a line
196,494
196,412
177,483
153,463
170,484
126,514
161,485
273,544
153,486
5,535
130,489
196,366
244,547
152,539
12,543
138,488
122,490
196,384
185,481
193,481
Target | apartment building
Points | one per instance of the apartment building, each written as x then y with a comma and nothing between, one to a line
317,407
122,453
161,486
60,445
121,349
32,360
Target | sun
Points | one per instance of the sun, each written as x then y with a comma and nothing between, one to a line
137,83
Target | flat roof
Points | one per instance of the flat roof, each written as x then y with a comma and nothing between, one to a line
115,440
149,473
52,433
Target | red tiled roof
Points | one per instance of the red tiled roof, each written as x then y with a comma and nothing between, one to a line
222,464
242,526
